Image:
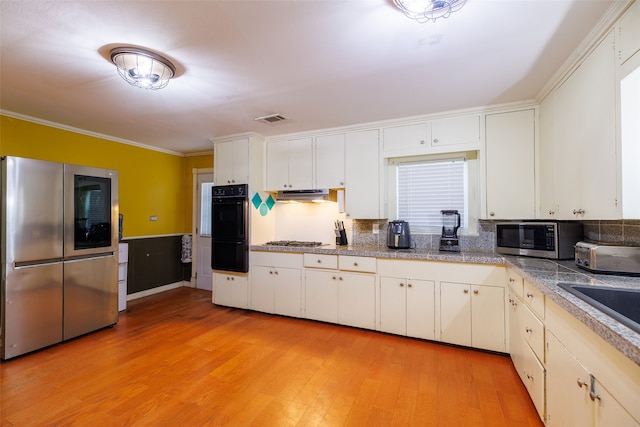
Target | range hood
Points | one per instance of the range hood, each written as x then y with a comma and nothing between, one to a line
303,196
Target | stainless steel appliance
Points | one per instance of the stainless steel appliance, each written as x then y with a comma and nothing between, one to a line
59,253
398,235
229,228
612,259
450,225
544,239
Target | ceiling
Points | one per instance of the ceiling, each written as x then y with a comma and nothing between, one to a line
320,63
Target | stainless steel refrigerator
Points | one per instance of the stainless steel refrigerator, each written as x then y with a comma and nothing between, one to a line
59,253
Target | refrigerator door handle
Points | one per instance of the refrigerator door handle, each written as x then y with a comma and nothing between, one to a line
89,257
26,264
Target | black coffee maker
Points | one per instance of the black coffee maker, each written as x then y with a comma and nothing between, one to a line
450,224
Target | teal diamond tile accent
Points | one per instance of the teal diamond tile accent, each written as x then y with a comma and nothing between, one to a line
270,202
256,200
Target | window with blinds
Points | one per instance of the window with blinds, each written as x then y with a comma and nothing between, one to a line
427,187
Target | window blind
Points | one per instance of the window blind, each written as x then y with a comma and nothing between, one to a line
426,188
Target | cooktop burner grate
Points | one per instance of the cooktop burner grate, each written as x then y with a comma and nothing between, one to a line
292,243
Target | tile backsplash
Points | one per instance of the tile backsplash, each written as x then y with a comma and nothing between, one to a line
622,232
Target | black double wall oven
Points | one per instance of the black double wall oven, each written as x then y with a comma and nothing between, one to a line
230,228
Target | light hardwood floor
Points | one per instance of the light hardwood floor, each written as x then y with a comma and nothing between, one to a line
175,359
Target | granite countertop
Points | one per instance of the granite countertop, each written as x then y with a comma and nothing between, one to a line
543,274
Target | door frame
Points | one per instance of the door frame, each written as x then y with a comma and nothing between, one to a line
194,222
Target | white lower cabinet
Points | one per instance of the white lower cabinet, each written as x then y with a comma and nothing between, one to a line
276,283
321,295
407,307
231,289
472,315
575,396
357,300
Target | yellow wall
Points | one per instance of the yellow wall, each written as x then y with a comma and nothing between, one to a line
150,182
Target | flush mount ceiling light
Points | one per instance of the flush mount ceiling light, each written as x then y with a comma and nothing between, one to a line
429,10
142,68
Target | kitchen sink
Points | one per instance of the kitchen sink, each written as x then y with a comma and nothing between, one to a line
620,303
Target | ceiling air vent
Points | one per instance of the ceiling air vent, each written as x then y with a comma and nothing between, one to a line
272,118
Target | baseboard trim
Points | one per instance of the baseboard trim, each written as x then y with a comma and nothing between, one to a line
157,290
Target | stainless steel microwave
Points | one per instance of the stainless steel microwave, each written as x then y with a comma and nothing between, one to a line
544,239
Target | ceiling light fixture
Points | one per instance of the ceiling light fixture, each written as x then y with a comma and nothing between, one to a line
142,68
429,10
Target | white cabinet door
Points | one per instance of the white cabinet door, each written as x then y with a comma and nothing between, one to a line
357,300
290,165
585,134
462,131
231,162
262,288
393,305
321,295
231,290
487,318
278,166
288,292
510,171
548,207
329,161
568,402
455,313
413,138
362,168
421,309
301,164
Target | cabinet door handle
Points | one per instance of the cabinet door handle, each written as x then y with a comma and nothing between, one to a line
333,277
435,140
492,213
410,285
475,291
511,279
466,291
528,330
529,295
581,383
422,141
402,285
340,278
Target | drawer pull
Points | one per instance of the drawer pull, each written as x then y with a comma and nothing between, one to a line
319,261
529,295
355,264
529,330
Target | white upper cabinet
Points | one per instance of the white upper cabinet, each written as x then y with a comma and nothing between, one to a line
329,161
437,136
362,166
406,138
628,33
510,171
461,131
582,131
290,165
231,162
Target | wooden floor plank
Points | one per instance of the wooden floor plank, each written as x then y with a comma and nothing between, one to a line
176,359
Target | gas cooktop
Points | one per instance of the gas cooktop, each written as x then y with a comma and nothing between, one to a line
292,243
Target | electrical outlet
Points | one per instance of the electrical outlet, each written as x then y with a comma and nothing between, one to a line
153,218
376,229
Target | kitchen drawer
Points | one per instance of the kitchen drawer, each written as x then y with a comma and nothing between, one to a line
534,380
321,261
532,329
357,263
534,299
516,283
